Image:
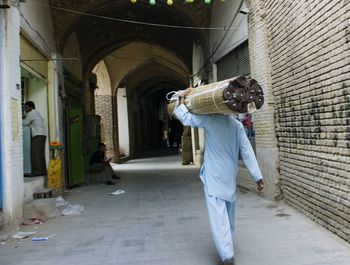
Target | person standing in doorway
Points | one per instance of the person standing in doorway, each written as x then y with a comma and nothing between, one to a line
35,121
225,138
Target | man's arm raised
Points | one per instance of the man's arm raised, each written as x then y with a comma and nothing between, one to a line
187,118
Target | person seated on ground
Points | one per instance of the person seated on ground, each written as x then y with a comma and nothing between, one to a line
99,163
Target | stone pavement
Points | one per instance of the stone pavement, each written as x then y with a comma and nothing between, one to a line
162,219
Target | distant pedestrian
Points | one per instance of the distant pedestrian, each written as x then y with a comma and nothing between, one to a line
35,121
225,138
248,125
175,132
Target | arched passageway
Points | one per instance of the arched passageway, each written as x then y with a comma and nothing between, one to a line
135,80
136,64
147,87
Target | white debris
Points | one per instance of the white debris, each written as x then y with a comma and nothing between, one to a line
117,192
22,235
61,202
73,209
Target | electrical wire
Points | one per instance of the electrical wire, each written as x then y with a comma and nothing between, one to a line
149,24
46,60
37,33
207,61
134,21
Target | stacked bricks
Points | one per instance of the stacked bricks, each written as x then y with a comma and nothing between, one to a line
309,52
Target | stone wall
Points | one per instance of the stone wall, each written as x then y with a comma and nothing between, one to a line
103,105
309,52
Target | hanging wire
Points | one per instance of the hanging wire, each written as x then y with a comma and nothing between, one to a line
155,25
220,43
134,21
37,33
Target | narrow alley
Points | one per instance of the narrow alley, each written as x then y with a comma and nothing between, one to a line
96,92
162,219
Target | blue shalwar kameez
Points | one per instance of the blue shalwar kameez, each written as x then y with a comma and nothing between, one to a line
224,139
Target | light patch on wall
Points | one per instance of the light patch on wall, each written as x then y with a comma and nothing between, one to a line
15,122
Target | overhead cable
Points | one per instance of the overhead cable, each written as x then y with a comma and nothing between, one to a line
134,21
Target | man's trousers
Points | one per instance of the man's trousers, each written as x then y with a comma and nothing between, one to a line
222,222
106,169
37,155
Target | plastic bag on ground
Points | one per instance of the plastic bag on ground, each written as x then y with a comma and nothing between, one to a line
117,192
61,202
22,235
73,209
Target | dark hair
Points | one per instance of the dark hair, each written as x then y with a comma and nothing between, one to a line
30,104
101,145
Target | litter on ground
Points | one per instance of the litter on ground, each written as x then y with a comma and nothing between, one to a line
22,235
73,209
61,202
117,192
38,239
34,221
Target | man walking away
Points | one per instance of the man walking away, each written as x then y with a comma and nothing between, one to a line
224,139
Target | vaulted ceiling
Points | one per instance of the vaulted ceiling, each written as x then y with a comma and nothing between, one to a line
99,29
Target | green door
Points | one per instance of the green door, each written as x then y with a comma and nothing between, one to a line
75,146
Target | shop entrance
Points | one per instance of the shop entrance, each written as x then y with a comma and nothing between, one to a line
34,88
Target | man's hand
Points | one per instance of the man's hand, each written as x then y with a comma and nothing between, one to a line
260,185
186,92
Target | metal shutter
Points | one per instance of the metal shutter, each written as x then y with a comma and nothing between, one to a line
234,63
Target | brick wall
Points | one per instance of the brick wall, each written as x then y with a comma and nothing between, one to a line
265,139
261,71
309,52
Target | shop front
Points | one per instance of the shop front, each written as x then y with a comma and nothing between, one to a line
34,87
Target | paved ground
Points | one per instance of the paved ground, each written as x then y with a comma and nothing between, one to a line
162,219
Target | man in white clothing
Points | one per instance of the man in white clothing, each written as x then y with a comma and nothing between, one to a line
225,138
35,121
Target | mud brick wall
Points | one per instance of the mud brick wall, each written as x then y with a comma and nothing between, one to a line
310,57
